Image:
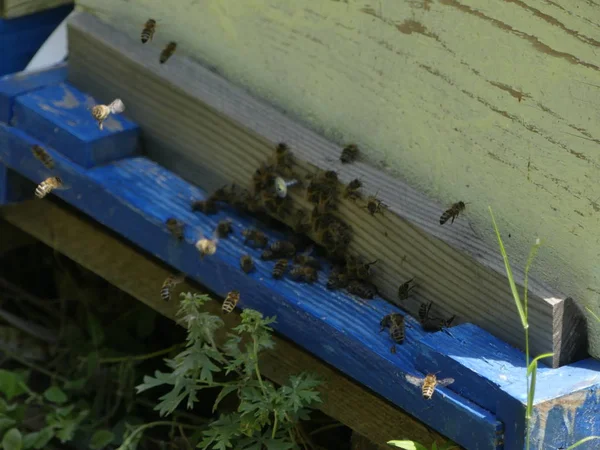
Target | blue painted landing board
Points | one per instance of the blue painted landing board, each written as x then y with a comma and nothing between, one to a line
492,373
135,197
21,37
60,117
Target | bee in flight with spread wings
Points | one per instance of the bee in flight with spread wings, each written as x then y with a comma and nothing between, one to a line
428,384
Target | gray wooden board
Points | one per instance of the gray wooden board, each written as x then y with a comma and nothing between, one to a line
210,132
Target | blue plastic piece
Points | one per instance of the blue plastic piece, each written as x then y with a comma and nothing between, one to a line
14,188
21,37
11,86
491,373
134,197
60,117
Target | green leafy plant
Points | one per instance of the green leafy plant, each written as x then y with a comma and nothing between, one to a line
267,416
412,445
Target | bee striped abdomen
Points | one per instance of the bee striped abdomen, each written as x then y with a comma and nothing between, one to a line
452,212
47,186
148,31
230,302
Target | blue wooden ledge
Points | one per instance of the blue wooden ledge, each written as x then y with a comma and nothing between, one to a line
483,409
21,37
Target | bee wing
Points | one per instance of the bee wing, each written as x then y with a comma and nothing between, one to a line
445,381
63,187
116,106
416,381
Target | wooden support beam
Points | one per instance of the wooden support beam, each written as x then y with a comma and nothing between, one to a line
141,276
210,132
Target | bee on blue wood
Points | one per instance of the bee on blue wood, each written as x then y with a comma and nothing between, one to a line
395,323
405,288
224,228
169,284
432,324
175,227
452,212
148,31
362,289
255,238
279,269
206,247
428,384
167,52
246,263
43,156
304,273
349,154
208,206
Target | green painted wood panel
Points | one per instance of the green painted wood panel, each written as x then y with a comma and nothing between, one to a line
487,101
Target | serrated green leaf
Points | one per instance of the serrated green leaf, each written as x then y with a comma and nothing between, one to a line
101,439
55,394
407,445
12,384
12,440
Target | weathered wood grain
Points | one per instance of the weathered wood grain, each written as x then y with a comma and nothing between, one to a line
492,102
210,132
99,250
16,8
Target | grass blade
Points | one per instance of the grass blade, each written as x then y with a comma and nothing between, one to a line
536,359
583,441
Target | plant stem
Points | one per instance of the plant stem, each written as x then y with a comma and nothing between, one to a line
256,368
138,357
31,365
141,428
274,427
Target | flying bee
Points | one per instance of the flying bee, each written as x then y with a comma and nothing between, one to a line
428,384
338,279
208,206
246,263
374,205
452,212
304,273
206,247
48,185
257,238
280,268
169,284
284,160
101,112
167,52
405,288
43,156
224,228
352,190
230,302
362,289
148,31
175,227
349,154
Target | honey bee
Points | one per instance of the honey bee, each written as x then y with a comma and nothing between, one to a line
432,324
362,289
349,154
352,190
263,177
246,263
374,205
43,156
101,112
206,247
330,177
357,269
167,52
338,279
257,238
169,284
428,384
280,268
224,228
283,249
175,227
284,160
148,31
306,260
405,288
230,302
208,206
304,273
395,323
48,185
452,212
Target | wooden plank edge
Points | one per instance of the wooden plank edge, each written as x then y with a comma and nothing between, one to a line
141,276
225,100
476,425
